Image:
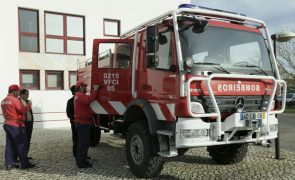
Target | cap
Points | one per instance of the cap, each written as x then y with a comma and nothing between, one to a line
79,84
14,87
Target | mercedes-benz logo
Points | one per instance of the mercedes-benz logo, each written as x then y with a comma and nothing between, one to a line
239,102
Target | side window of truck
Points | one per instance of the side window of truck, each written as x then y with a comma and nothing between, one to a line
114,55
164,52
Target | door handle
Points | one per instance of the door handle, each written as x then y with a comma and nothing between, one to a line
147,87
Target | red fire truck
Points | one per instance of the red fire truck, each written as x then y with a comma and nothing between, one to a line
191,77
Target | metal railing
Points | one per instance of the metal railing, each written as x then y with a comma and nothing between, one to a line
85,63
217,113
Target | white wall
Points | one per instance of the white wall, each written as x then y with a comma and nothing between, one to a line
8,46
49,106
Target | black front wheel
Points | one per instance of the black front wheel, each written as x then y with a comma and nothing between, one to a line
143,163
182,151
228,154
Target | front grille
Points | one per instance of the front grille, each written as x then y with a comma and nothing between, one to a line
226,104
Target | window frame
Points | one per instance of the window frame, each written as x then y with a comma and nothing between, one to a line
118,27
64,37
54,72
71,72
28,34
26,71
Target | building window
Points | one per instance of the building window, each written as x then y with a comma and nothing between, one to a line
72,78
28,23
111,27
29,79
64,34
54,79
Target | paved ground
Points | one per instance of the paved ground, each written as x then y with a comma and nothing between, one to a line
51,150
287,131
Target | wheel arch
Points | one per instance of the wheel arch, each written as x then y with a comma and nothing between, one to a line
140,109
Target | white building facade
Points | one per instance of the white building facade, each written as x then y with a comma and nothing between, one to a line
42,43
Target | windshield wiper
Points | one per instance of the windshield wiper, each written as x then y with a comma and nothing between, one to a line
220,68
258,67
215,65
206,63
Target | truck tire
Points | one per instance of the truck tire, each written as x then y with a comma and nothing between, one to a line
141,160
182,151
95,136
228,154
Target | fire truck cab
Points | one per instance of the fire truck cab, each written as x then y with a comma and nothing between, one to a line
191,77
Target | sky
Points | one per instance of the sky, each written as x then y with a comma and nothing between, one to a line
279,15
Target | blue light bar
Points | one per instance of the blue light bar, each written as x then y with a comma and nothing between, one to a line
220,10
192,6
187,6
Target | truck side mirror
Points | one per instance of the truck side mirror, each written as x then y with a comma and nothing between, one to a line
152,61
200,26
152,39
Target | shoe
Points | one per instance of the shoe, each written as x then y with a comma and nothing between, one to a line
30,158
85,165
30,165
14,166
88,157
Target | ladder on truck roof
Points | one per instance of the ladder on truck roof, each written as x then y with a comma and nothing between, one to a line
200,11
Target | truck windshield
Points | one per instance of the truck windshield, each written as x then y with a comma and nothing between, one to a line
236,50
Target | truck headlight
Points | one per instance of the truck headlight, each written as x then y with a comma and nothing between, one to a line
193,133
197,108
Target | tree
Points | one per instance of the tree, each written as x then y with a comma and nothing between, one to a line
286,60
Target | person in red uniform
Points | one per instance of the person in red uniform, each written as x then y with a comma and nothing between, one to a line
14,127
83,121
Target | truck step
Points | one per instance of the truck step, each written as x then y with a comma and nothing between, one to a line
119,120
104,128
168,153
166,132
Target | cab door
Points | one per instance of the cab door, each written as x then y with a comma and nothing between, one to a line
111,69
159,82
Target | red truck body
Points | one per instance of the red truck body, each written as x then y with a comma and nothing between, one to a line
161,89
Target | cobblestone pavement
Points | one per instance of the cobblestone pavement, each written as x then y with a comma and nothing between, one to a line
51,151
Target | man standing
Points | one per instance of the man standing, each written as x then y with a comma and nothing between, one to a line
14,127
83,116
70,114
28,117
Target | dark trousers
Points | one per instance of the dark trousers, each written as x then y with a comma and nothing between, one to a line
74,138
83,142
29,130
15,142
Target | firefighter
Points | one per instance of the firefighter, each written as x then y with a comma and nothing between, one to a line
14,127
70,114
28,117
83,121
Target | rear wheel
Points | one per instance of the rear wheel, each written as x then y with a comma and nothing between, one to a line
228,154
143,163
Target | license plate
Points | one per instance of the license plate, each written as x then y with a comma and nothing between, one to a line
253,116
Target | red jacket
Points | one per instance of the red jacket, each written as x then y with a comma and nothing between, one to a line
13,111
83,112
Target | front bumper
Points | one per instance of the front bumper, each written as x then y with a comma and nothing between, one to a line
193,132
